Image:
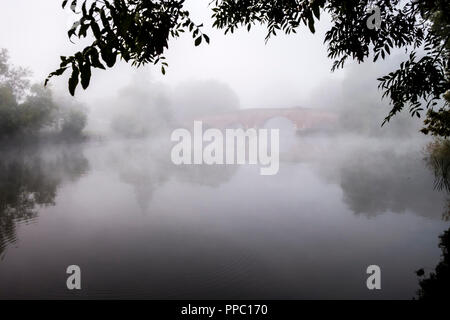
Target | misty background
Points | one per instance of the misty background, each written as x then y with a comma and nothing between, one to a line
347,195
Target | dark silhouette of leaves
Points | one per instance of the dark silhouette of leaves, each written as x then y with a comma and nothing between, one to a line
132,30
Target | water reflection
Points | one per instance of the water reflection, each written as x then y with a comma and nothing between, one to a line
386,181
29,180
146,166
377,179
374,179
220,231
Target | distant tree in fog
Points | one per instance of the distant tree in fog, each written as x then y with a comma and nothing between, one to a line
24,109
15,79
141,109
27,109
206,97
74,122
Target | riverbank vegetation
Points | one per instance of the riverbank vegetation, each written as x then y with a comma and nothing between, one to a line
30,112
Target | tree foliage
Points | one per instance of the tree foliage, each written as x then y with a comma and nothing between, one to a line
136,31
26,109
13,78
139,30
23,108
436,285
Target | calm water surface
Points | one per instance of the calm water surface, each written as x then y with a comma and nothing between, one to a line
140,227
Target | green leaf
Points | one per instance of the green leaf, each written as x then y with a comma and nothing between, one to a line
73,81
96,30
85,75
108,56
83,30
95,59
83,9
105,20
316,10
206,38
376,57
311,27
198,41
73,5
58,72
72,30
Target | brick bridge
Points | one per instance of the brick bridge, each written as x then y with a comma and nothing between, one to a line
302,118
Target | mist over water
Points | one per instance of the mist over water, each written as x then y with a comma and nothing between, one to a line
349,193
141,227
